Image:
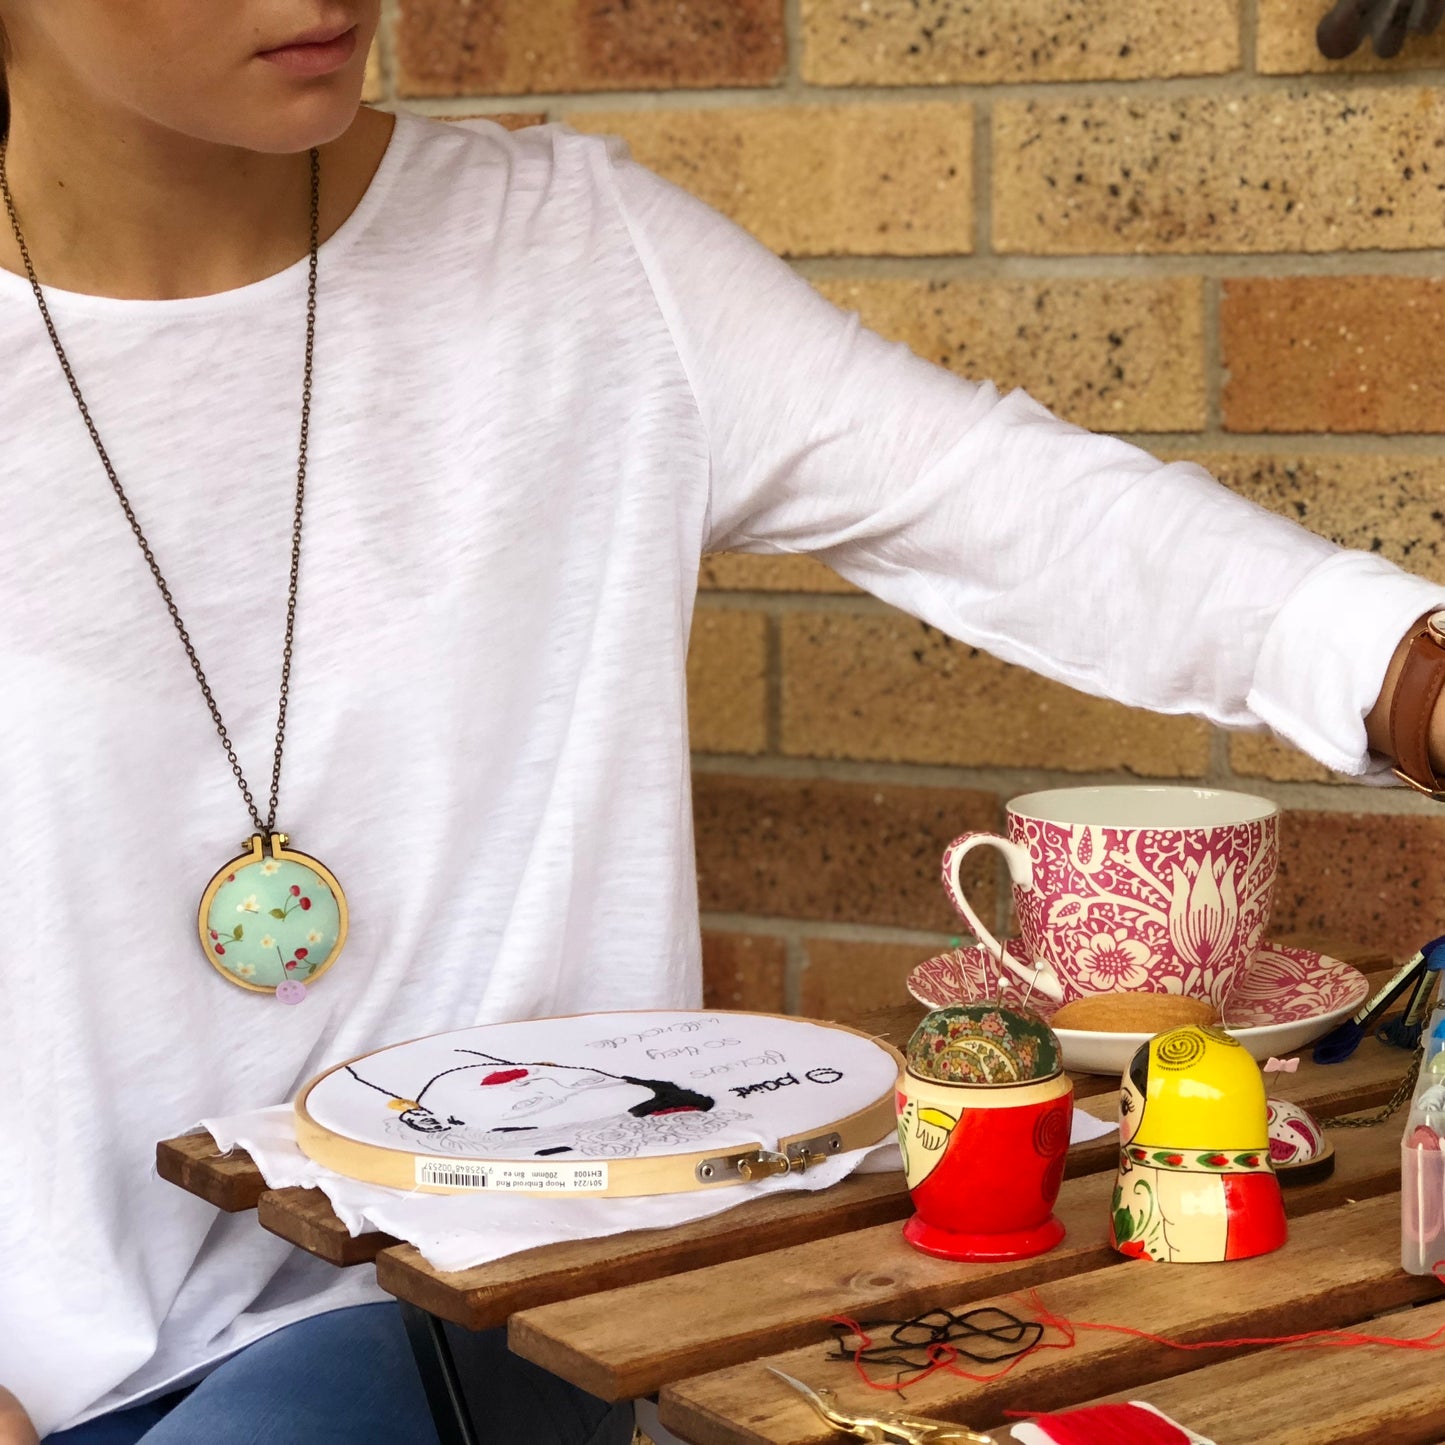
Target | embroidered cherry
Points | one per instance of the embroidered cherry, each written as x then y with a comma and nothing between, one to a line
292,964
302,952
296,890
305,903
214,934
220,948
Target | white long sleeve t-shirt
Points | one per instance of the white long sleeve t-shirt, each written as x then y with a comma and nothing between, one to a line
546,383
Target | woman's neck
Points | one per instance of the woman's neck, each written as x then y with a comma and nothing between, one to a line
138,213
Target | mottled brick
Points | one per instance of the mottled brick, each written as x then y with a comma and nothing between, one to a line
744,971
1285,43
742,572
373,87
1375,879
1115,355
844,980
515,47
1375,502
841,852
981,42
727,681
1334,353
1257,755
890,179
896,690
1310,171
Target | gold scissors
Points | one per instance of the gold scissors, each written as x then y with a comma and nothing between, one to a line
883,1429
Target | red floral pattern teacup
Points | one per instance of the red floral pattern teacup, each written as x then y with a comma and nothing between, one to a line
1142,889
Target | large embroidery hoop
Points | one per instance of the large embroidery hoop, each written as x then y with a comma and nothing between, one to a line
605,1105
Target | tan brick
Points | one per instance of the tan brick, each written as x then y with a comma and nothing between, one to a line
846,980
741,572
842,852
1286,43
744,970
1334,353
890,179
517,47
373,87
1366,878
1257,755
896,690
1393,505
982,42
1313,171
727,681
1116,355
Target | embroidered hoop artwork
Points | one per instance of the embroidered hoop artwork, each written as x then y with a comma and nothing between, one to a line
601,1104
273,920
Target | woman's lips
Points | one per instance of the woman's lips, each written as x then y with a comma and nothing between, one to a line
314,58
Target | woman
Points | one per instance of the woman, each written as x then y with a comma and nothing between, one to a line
540,384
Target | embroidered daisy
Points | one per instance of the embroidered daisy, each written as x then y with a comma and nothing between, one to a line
246,970
270,868
313,936
267,941
248,905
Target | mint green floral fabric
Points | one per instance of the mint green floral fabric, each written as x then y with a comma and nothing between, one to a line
272,920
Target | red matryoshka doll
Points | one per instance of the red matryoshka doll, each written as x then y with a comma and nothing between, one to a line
1195,1181
984,1111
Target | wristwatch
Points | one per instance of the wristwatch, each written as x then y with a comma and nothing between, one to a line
1418,690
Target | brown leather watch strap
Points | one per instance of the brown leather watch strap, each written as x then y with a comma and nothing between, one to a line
1418,690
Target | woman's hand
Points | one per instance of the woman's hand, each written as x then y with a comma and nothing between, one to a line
15,1426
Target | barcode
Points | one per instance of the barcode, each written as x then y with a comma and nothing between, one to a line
453,1177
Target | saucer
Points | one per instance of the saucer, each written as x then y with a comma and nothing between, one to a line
1288,998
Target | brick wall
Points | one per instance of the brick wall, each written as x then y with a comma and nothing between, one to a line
1167,218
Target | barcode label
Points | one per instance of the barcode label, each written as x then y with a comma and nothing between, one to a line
563,1178
453,1176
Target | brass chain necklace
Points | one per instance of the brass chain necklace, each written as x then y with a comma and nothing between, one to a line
272,920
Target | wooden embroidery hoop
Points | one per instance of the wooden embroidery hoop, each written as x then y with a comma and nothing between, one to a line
678,1173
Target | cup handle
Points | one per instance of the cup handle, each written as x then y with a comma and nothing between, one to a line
1021,871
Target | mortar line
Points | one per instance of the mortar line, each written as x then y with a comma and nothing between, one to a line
983,180
1233,85
1213,355
1008,782
793,38
1249,37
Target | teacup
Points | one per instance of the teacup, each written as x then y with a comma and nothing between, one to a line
1144,889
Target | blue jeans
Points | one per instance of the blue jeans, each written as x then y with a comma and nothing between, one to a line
348,1378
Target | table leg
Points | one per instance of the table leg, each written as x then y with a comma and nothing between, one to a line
439,1375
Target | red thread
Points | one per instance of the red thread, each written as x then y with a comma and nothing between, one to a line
504,1076
944,1358
1112,1425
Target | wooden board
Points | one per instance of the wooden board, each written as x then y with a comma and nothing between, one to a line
488,1295
1339,1267
1294,1397
305,1218
196,1164
632,1341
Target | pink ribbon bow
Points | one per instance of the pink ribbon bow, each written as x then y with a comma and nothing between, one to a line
1281,1066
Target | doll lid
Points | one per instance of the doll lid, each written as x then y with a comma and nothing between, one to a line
983,1043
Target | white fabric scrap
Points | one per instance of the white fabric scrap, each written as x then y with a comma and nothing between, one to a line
460,1231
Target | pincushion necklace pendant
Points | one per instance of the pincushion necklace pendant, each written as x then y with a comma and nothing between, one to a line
271,920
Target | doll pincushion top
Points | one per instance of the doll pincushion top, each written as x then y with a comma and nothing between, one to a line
983,1043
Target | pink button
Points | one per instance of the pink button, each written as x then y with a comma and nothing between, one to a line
290,991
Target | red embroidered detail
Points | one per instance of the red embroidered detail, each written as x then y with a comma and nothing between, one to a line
504,1076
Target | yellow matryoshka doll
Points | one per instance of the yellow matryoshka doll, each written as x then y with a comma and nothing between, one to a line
1195,1180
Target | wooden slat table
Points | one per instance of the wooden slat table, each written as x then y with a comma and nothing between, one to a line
691,1314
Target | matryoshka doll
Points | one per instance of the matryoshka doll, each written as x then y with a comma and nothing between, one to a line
984,1110
1195,1180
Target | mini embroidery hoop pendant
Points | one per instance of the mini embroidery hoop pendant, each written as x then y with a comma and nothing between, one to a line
254,853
